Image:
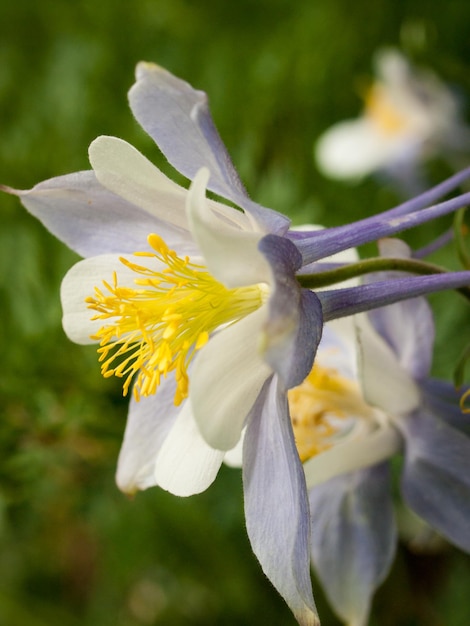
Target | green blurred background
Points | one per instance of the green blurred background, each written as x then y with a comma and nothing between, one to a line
73,549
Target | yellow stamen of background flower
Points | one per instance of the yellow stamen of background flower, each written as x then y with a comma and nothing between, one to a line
322,408
382,111
156,327
463,399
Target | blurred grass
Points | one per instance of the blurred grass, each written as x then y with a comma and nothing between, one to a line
73,550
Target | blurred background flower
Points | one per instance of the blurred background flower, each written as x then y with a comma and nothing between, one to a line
73,549
409,117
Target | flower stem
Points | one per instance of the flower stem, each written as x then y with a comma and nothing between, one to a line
368,266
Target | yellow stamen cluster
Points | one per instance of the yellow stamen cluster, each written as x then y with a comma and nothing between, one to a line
383,112
156,326
320,408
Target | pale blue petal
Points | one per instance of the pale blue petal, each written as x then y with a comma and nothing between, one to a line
91,220
353,538
435,478
276,505
177,117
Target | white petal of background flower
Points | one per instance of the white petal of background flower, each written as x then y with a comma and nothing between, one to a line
368,445
385,383
354,148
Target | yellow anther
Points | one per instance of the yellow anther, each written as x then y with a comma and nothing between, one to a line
322,408
463,399
383,112
155,326
202,339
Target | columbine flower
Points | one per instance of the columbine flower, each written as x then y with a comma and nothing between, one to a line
199,306
368,398
409,115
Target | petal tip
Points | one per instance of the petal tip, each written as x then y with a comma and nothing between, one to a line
10,190
146,67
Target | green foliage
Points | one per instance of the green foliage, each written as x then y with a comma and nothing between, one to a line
73,550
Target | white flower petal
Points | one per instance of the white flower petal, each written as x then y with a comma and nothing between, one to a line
234,457
78,284
226,379
231,255
186,464
126,172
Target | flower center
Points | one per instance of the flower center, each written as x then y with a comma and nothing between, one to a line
324,408
156,326
382,111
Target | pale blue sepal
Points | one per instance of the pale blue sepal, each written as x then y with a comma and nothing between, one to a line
353,538
91,220
276,505
442,399
177,117
436,477
148,424
294,326
309,334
